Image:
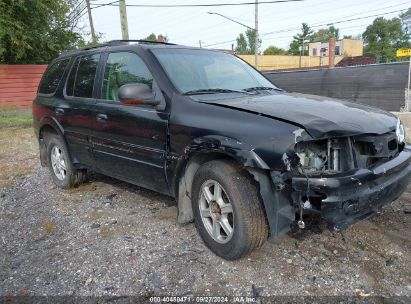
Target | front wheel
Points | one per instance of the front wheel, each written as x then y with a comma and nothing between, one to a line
228,211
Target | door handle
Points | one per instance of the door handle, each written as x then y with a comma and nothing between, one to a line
101,117
59,111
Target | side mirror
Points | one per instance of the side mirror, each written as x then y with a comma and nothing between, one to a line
136,93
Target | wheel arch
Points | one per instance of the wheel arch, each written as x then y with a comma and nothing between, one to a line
185,175
277,205
49,125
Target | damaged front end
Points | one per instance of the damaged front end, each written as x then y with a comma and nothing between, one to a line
347,179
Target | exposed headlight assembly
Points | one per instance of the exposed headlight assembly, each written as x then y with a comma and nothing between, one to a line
400,132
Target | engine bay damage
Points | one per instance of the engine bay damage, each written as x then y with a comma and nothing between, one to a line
344,179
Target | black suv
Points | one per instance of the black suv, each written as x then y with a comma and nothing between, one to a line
243,159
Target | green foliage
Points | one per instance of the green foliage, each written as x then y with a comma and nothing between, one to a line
153,37
273,50
36,31
354,37
294,48
301,39
242,47
15,118
246,43
383,37
325,34
406,25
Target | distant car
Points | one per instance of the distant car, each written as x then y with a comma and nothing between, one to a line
244,159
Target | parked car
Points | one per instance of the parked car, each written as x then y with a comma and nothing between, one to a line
243,159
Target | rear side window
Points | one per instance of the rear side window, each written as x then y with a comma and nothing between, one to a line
80,82
52,77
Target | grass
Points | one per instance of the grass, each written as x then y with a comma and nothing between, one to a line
96,214
18,146
48,226
15,119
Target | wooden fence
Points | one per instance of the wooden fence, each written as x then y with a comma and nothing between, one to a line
18,84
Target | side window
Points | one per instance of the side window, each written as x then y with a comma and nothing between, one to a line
52,77
80,82
122,68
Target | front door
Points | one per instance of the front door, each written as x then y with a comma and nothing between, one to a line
129,141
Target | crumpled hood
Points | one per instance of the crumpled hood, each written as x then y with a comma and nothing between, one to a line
319,116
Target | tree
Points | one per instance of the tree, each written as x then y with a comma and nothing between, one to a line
406,26
325,34
294,48
297,46
383,37
246,43
153,37
36,31
273,50
242,47
354,37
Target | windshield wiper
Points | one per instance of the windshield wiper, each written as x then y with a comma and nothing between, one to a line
211,91
252,89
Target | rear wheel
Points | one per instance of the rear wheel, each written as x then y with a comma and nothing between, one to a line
61,169
228,211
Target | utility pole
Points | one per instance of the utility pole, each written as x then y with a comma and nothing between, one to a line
256,34
90,19
407,105
123,19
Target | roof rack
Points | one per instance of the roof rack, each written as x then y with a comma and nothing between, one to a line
117,42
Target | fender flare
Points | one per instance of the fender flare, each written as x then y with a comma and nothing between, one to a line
52,122
49,121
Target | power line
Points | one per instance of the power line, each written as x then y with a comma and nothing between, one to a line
79,15
105,4
317,25
80,7
198,5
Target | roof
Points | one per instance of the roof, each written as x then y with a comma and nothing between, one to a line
113,43
120,44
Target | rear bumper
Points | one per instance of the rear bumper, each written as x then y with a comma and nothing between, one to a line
349,198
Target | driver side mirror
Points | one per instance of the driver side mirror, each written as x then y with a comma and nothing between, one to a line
136,93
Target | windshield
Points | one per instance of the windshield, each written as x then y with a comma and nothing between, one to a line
209,71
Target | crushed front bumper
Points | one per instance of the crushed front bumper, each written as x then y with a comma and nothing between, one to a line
358,194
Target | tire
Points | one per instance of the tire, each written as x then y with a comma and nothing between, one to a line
64,175
247,217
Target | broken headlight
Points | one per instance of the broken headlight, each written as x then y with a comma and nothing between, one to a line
400,132
324,156
313,156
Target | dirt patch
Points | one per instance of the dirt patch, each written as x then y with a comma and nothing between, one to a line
12,164
109,238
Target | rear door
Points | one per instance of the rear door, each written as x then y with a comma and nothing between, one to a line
74,113
129,141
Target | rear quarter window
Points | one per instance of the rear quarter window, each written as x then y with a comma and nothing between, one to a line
52,77
80,82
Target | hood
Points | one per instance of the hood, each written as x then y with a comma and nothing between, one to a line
319,116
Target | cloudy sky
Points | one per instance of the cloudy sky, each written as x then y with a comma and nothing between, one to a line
277,22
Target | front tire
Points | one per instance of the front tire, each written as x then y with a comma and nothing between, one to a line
227,209
64,175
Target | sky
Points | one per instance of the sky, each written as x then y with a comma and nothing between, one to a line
277,22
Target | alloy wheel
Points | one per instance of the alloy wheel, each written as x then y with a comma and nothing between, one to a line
216,211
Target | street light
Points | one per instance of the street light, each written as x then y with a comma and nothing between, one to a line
213,13
250,28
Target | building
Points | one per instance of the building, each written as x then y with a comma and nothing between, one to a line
343,47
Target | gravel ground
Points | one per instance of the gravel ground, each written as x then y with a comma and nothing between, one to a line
109,238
